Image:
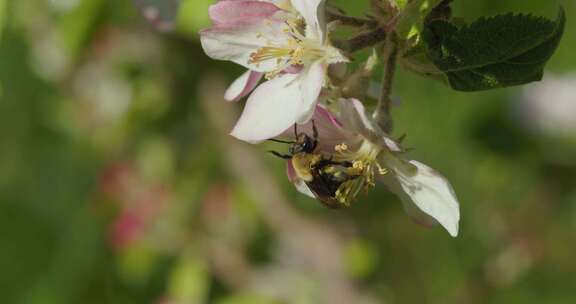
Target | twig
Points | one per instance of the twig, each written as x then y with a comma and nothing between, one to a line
363,40
350,21
382,113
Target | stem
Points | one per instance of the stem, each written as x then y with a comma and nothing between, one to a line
350,21
382,113
364,40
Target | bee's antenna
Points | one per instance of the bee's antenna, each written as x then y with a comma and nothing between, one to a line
295,130
283,156
314,130
282,141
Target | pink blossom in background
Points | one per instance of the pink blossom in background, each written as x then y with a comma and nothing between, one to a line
139,203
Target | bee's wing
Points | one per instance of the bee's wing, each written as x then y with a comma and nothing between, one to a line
322,193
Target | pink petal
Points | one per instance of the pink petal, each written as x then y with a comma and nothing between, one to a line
230,13
323,114
293,69
242,86
330,131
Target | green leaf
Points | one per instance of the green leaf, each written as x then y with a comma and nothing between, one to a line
416,60
495,52
2,14
412,16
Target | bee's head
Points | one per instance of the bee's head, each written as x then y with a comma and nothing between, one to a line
304,144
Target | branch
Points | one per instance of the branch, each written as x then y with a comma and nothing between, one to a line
350,21
363,40
382,113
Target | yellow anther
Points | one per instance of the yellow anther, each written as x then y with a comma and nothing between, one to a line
292,49
358,164
382,170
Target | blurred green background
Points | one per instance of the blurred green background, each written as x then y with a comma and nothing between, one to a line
119,184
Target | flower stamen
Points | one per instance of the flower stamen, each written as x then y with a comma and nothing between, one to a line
294,50
381,170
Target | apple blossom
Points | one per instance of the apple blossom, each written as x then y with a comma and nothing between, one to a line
353,137
286,41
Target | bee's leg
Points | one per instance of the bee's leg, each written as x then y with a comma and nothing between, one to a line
283,156
346,164
330,161
322,163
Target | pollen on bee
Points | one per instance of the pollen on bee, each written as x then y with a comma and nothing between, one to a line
340,148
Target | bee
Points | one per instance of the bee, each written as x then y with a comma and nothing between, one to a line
322,174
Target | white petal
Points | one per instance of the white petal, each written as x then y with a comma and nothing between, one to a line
417,215
304,189
428,190
313,13
242,86
312,83
270,110
238,43
354,117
